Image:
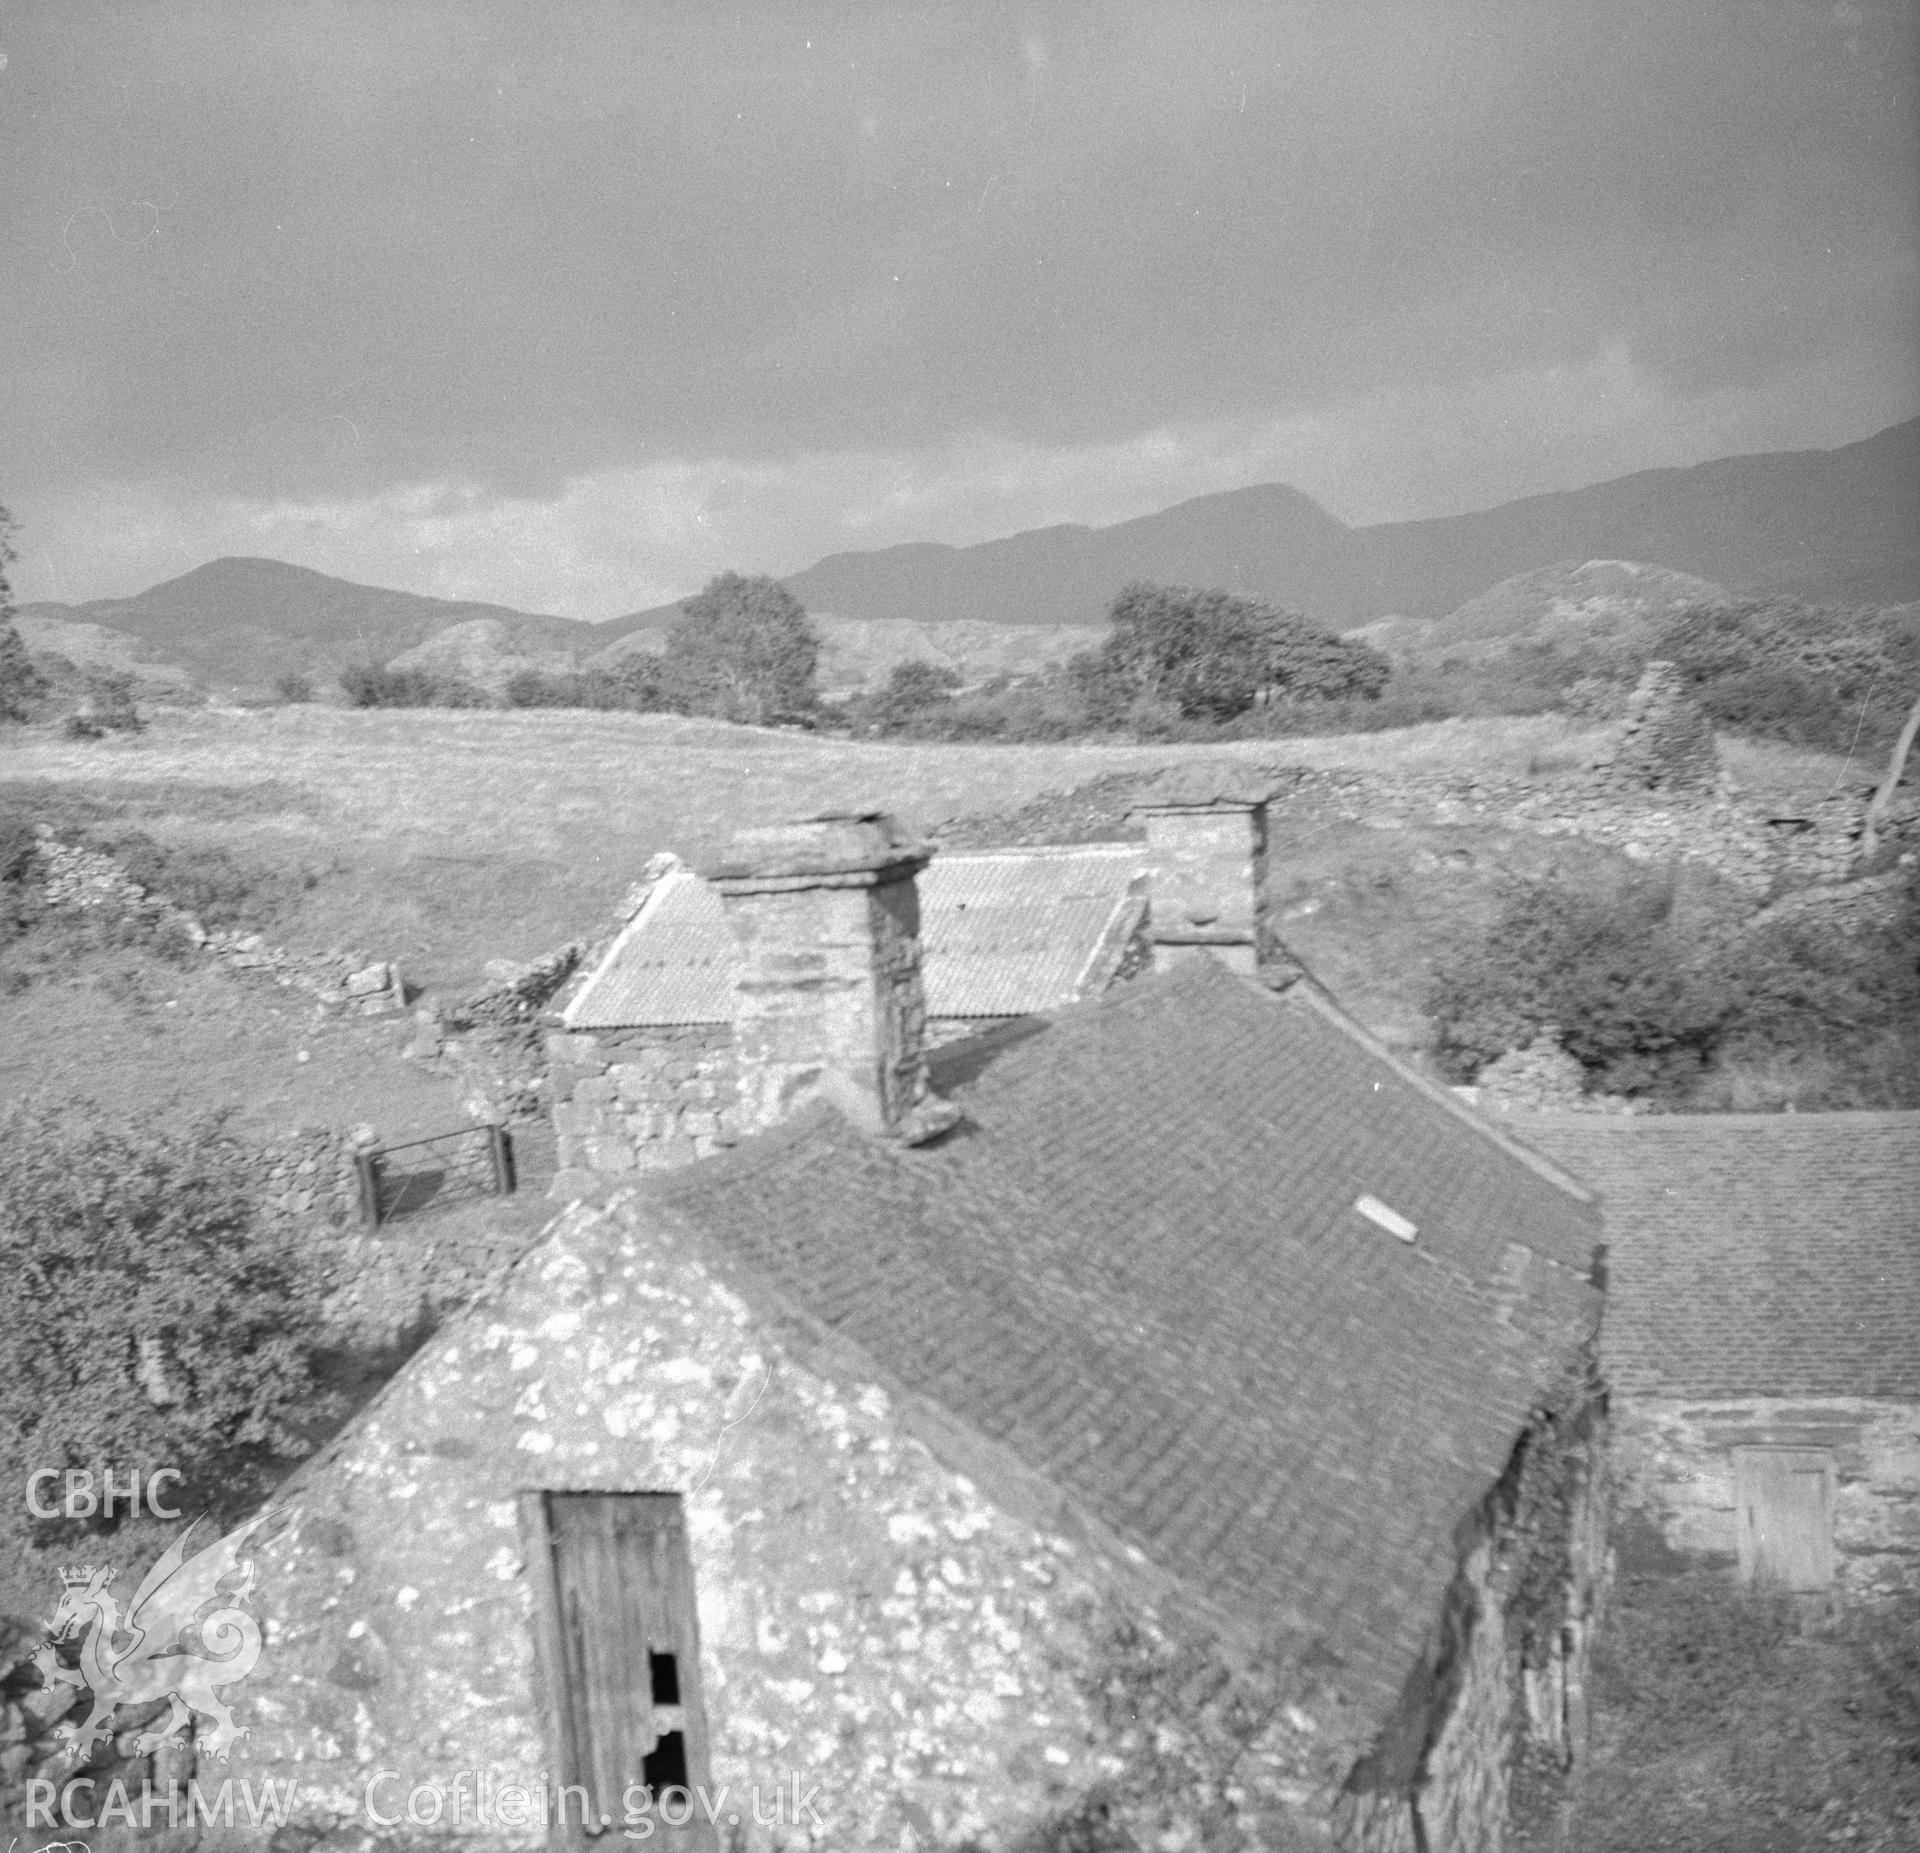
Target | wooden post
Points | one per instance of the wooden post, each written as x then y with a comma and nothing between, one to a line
366,1163
1883,798
500,1155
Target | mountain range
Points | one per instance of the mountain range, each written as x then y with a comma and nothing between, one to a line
1833,526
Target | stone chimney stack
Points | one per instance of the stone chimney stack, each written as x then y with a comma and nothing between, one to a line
827,999
1207,850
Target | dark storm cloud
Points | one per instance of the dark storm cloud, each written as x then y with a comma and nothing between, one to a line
321,251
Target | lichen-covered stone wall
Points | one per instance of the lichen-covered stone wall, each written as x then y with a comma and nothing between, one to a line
916,1652
1675,1465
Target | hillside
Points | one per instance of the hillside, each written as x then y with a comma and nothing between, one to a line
242,622
1822,524
1830,525
1558,604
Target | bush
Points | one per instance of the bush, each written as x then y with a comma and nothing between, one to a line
107,706
632,682
293,687
1649,1010
376,685
1214,656
1606,972
154,1319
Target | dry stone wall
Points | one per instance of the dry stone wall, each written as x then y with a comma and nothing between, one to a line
1665,740
340,982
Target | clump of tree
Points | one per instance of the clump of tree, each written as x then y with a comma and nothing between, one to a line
22,687
743,649
383,685
916,695
1663,1010
1212,656
632,682
106,706
157,1317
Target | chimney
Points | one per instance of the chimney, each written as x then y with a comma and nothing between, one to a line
1207,850
827,996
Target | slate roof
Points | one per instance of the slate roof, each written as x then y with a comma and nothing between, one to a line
1138,1265
1003,933
1755,1254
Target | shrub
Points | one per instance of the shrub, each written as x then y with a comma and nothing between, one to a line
1648,1010
293,687
378,685
632,682
1214,656
155,1319
21,685
107,706
1606,972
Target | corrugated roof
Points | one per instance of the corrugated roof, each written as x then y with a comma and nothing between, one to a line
1004,933
1138,1266
1754,1254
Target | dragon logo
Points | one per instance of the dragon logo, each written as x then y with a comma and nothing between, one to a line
141,1656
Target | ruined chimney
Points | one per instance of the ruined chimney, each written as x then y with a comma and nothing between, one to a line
827,996
1207,850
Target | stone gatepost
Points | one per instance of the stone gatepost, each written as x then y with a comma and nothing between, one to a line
1207,850
828,999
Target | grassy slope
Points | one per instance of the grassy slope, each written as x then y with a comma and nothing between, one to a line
453,837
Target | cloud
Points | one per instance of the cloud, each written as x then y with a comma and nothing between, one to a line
636,291
619,540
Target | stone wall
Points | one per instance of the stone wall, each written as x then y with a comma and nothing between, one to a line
340,981
1508,1666
1664,741
1674,1460
916,1638
638,1100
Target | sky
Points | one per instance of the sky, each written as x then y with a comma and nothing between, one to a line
570,306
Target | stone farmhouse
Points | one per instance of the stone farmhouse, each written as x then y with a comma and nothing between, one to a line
651,1076
1169,1411
1762,1340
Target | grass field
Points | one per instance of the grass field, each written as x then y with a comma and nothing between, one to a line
445,838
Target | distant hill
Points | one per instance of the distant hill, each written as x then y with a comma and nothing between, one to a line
1840,525
1825,525
1551,604
243,622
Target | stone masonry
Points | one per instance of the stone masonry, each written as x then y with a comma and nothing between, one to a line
1665,742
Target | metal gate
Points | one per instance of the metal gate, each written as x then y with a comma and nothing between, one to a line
444,1168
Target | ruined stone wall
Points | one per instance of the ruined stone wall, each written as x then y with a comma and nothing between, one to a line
914,1644
638,1100
1664,741
1675,1465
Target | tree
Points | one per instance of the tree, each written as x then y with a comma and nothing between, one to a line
913,689
1214,655
21,685
742,650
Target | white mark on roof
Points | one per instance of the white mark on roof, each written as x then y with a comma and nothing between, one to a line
1390,1220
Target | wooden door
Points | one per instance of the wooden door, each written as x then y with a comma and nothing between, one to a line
1783,1508
620,1658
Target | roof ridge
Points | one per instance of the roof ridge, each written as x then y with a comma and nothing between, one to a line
1675,1121
1308,991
